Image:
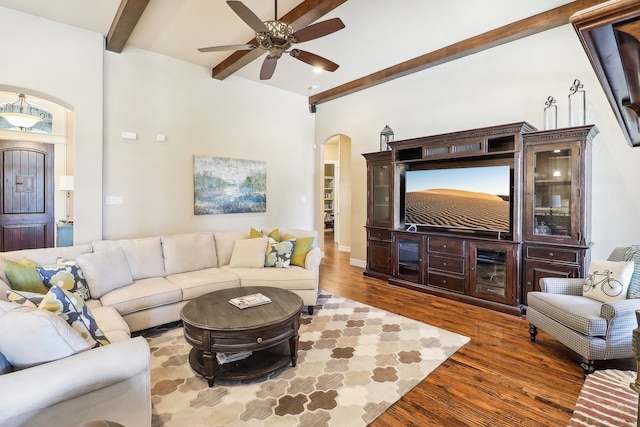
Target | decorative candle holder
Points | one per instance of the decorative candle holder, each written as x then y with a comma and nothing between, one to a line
550,114
577,104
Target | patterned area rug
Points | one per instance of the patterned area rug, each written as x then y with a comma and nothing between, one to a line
354,361
606,400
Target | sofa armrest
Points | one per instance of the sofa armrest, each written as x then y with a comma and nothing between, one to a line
312,261
617,308
561,285
30,391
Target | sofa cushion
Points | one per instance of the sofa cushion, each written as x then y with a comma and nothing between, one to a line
579,313
200,282
23,276
249,253
29,299
224,244
142,294
290,278
105,270
111,323
67,275
619,274
144,256
188,252
6,306
31,336
72,309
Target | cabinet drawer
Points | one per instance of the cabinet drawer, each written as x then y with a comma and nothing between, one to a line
490,290
378,234
547,254
446,246
447,282
453,265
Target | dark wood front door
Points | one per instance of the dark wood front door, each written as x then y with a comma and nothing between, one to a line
26,207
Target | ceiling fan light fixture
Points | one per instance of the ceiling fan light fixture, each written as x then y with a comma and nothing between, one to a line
317,70
20,113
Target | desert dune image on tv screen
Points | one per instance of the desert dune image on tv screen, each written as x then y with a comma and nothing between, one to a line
472,198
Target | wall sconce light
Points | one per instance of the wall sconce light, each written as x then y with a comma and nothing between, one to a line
386,136
66,184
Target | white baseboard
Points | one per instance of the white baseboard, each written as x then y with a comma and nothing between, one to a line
344,248
358,263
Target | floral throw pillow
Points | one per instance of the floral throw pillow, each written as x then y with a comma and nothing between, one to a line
67,275
71,307
28,299
279,254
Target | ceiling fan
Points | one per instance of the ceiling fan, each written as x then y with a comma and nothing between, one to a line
277,37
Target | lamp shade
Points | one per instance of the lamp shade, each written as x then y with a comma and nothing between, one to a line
65,183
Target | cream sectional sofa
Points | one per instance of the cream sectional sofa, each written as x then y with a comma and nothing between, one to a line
135,284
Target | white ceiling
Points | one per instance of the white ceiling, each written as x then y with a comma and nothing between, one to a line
378,33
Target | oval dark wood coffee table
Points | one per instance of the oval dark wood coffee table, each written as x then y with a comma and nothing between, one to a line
270,331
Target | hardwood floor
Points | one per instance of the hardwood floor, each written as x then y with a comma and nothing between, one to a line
499,378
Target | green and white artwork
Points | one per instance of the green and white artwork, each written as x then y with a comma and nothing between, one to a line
222,185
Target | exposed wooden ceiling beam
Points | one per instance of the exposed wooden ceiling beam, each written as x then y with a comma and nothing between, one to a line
535,24
302,15
126,19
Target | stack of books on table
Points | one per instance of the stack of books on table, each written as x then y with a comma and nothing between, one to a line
231,357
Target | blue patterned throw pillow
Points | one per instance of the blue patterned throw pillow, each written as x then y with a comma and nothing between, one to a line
71,307
279,254
66,275
633,254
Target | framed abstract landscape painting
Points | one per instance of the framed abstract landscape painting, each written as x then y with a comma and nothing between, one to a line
223,185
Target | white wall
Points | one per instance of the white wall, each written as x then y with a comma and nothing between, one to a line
62,64
150,94
506,84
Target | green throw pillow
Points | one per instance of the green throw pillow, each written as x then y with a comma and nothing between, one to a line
23,276
301,247
71,307
255,234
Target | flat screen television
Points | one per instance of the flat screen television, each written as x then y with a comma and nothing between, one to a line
474,199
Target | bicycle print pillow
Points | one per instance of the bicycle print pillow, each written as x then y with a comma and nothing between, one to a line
608,280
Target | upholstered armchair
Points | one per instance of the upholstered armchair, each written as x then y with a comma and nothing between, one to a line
595,330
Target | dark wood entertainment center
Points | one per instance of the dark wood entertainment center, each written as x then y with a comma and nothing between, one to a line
549,215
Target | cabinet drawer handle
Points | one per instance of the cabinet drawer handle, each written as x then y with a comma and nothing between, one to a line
551,254
444,246
444,282
444,263
259,340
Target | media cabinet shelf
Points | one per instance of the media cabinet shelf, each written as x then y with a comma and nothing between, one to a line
549,215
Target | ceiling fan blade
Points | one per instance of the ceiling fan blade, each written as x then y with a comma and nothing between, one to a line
268,67
319,29
248,16
314,60
228,47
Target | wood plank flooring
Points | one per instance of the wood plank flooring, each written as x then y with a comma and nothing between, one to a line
499,378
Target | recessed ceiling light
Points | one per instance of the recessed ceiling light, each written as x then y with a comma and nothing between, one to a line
317,70
313,87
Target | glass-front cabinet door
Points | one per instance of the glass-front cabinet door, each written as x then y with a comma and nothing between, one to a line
379,187
552,203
